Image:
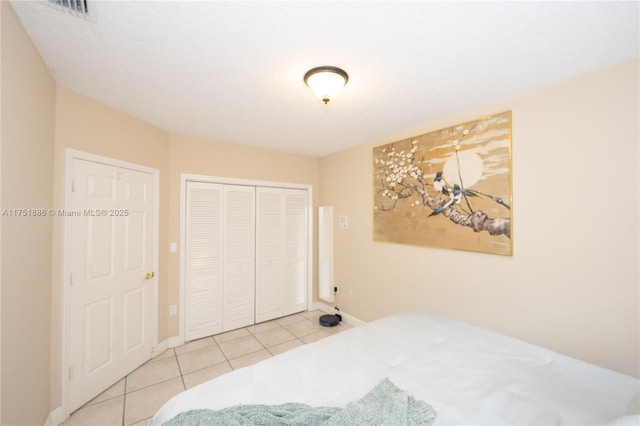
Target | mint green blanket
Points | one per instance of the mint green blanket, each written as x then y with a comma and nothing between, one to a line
384,405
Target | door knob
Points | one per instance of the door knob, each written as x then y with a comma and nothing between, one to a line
149,275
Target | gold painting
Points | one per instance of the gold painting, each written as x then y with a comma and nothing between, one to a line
449,189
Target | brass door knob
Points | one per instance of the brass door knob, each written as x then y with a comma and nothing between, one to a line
149,275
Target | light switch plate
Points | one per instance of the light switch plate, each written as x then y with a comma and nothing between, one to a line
344,222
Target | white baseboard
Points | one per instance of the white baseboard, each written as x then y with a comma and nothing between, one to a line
55,418
171,342
175,341
159,348
349,319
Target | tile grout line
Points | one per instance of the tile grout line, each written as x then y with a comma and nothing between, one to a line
271,329
124,399
203,368
184,385
254,337
223,354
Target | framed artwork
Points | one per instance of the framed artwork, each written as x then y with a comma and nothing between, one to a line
449,189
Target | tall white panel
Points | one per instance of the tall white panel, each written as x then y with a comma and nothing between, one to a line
325,253
238,308
203,260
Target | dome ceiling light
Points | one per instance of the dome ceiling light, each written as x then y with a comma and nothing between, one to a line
326,81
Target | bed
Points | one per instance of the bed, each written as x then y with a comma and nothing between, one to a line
469,375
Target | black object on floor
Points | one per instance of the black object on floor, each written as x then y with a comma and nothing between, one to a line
329,320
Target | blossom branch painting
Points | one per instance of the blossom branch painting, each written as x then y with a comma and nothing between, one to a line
449,189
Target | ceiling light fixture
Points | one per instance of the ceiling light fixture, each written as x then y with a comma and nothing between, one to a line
326,82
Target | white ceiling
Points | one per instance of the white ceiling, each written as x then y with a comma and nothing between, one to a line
232,71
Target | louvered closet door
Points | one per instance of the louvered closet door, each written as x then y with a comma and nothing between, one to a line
203,260
238,308
295,259
270,225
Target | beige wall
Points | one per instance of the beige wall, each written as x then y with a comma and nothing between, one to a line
86,125
204,157
573,282
28,114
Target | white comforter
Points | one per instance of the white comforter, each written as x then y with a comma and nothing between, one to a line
469,375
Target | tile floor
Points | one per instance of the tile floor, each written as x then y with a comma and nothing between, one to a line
134,399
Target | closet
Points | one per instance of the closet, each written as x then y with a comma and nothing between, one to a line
245,255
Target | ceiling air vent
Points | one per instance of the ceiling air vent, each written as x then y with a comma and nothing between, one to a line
79,8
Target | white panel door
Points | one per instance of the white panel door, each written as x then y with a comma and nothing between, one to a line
203,260
270,225
110,293
295,253
238,294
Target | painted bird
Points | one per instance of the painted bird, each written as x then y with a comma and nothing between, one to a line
439,184
454,198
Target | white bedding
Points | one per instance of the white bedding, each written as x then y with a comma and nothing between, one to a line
468,374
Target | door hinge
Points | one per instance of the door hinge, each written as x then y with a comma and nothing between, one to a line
73,185
70,279
70,373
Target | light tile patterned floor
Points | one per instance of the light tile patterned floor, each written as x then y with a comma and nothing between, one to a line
134,399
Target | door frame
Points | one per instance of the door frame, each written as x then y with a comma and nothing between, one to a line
186,177
70,155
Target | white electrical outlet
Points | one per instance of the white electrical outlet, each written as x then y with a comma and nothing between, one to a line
173,309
